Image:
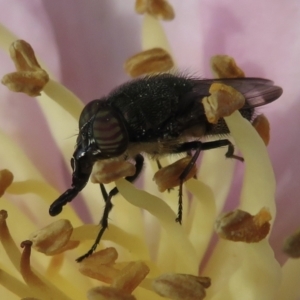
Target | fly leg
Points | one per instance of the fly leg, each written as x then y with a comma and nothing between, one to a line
159,166
189,153
103,222
139,161
182,177
198,147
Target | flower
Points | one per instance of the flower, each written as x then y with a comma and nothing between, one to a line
216,19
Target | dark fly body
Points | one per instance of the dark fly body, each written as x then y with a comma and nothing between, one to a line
156,115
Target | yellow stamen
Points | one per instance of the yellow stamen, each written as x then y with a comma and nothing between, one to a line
259,172
14,285
39,287
176,235
42,189
289,287
258,190
128,239
55,265
202,215
153,35
30,78
8,243
54,98
34,282
6,179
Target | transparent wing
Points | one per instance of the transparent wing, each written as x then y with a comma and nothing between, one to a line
257,91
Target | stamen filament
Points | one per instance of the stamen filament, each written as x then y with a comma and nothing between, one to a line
153,35
8,243
289,287
157,207
14,285
258,169
202,215
39,287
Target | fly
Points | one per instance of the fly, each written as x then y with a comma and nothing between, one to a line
156,115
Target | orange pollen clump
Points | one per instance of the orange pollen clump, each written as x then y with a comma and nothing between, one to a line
100,265
29,78
131,276
181,286
222,102
160,9
168,177
240,226
54,238
262,126
155,60
224,66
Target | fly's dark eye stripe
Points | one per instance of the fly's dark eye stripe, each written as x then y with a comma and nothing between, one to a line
108,132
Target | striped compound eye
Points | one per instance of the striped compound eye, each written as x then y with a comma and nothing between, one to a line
105,127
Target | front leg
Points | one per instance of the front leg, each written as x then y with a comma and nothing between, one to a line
139,161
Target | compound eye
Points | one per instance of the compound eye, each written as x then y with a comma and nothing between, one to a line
109,132
88,113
